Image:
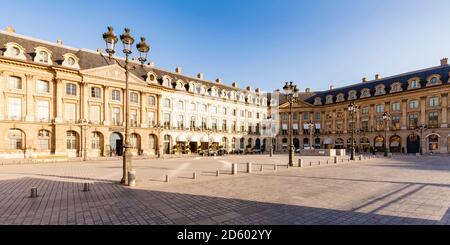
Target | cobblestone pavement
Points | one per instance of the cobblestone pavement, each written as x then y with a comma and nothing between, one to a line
399,190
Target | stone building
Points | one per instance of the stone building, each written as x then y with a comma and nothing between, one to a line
414,99
62,101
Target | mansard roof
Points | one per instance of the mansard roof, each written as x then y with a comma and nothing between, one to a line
89,59
423,74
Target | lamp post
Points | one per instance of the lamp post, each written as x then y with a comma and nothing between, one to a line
420,129
127,40
159,128
386,118
352,109
291,94
84,123
311,138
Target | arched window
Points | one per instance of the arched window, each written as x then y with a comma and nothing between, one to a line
71,140
317,101
134,140
352,95
43,57
329,99
16,139
96,140
396,87
380,90
43,139
365,93
340,97
166,103
233,143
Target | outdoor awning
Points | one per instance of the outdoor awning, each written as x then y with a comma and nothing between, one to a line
217,139
181,138
193,138
204,139
328,141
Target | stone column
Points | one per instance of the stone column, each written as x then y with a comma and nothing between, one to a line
106,112
444,116
333,125
58,93
158,118
371,117
404,122
423,115
144,119
84,100
29,102
346,120
2,95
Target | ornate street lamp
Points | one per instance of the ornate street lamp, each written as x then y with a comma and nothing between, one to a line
386,118
310,126
421,128
352,109
159,128
291,94
127,40
84,123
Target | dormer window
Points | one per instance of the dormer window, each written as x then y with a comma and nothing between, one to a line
329,99
396,87
180,85
43,55
166,82
14,50
70,60
317,101
352,95
340,98
414,83
365,93
434,80
379,90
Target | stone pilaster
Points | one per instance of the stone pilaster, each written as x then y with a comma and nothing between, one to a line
59,91
144,119
106,111
2,95
84,97
444,111
423,116
29,102
403,120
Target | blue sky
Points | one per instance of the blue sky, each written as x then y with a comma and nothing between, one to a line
261,43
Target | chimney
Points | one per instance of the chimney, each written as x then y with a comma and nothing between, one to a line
218,80
257,90
200,76
234,84
178,70
10,29
444,62
151,64
248,88
377,77
307,90
364,79
331,87
59,42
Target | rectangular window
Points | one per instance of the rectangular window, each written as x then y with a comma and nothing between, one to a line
365,110
14,108
166,120
214,124
42,86
379,108
295,116
413,120
115,95
365,125
15,82
224,126
242,127
214,109
305,116
242,113
151,100
133,118
134,98
234,112
249,114
395,122
317,116
96,92
433,101
70,111
42,110
166,103
151,118
94,114
180,105
180,122
116,116
433,119
192,123
204,125
193,107
395,106
413,104
379,122
71,89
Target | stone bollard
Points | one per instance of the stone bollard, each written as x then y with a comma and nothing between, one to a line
262,168
249,167
86,187
217,173
132,178
275,167
194,175
360,157
327,162
335,159
234,168
167,178
300,163
319,163
33,193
